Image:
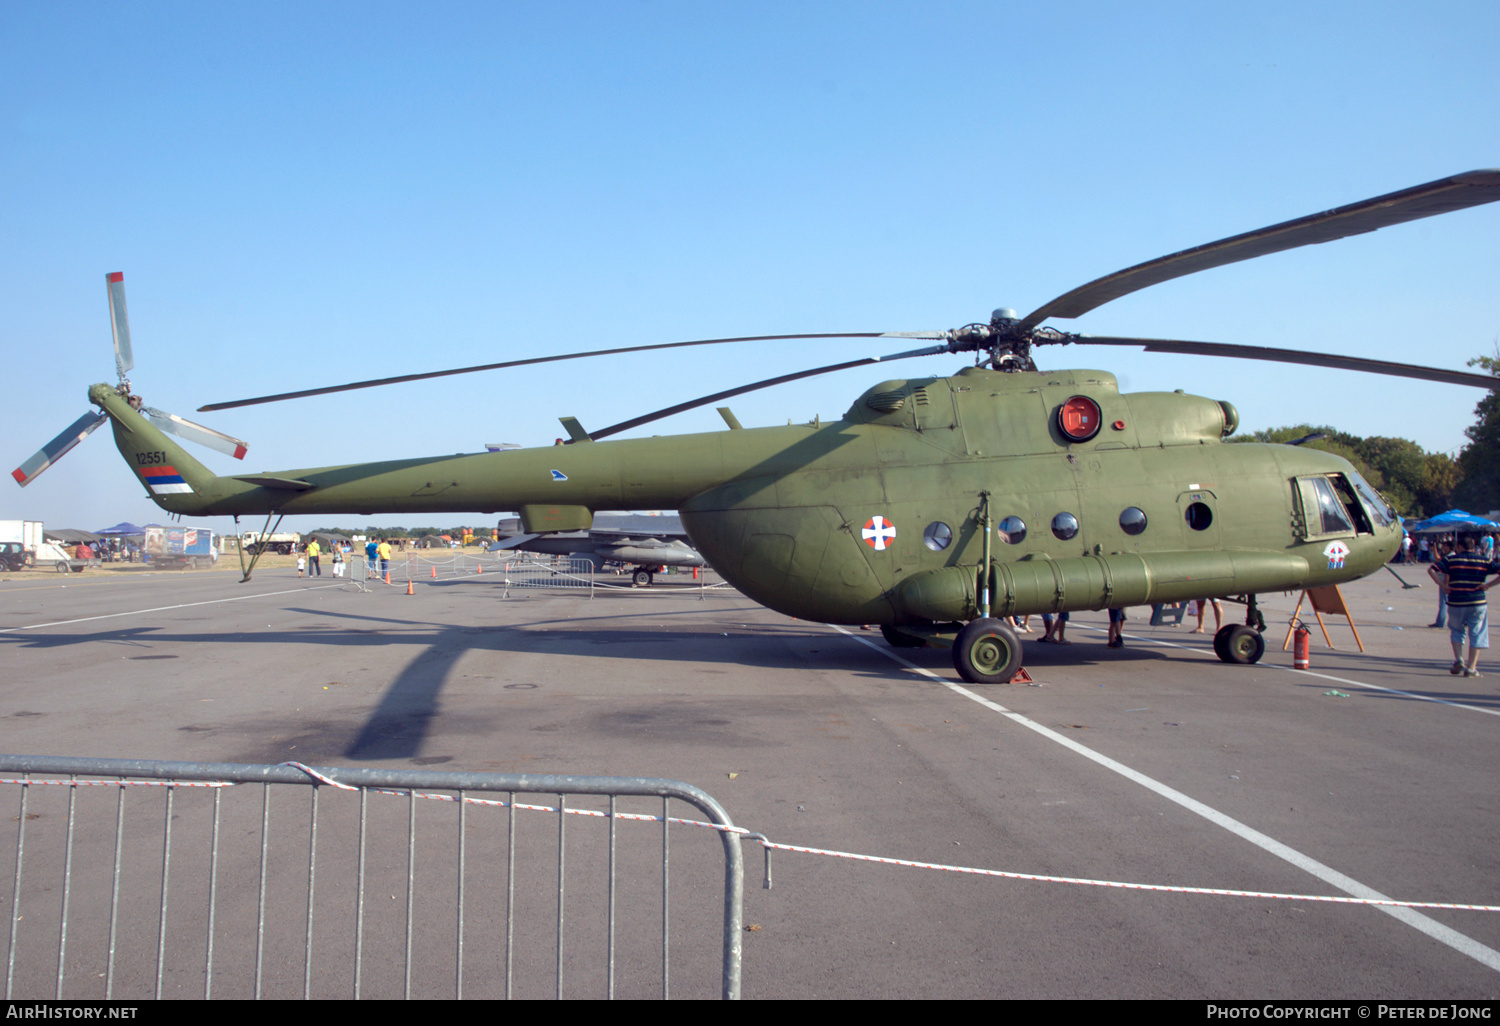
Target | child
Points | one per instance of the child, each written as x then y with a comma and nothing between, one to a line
301,564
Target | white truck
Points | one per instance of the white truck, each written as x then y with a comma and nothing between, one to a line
283,543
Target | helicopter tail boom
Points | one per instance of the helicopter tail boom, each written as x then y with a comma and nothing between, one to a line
174,480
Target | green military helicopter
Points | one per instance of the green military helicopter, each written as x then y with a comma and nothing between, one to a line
935,506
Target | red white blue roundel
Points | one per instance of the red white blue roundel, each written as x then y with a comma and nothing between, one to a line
1336,551
878,532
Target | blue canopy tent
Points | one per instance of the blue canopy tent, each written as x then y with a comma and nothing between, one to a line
123,529
1455,520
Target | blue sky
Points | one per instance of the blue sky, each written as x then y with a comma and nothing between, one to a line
304,194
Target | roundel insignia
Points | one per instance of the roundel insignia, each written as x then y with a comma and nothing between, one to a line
878,533
1336,551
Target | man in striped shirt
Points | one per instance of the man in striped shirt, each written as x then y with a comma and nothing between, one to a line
1461,576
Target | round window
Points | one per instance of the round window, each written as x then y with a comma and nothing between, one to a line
1012,530
1065,525
1132,520
938,536
1199,516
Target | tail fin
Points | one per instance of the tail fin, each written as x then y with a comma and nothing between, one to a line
174,480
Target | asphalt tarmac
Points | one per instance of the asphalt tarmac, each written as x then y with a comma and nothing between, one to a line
1373,774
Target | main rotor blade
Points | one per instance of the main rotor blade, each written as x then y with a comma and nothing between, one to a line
58,447
1470,189
114,282
375,382
626,425
1355,363
183,428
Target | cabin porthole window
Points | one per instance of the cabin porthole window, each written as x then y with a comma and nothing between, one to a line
938,536
1199,516
1064,526
1132,520
1012,530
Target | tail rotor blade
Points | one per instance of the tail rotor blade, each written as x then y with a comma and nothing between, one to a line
216,440
58,447
124,359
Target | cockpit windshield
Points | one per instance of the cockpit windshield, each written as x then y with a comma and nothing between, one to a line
1380,511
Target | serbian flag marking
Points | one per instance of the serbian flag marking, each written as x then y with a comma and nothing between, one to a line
165,481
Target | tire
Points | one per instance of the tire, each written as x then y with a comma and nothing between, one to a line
1243,645
641,578
987,651
63,567
1221,638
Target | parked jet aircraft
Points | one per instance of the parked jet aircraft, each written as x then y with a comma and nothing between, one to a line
643,543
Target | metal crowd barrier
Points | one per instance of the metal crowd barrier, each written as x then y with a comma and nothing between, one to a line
134,879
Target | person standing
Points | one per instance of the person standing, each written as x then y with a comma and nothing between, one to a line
1057,629
1116,627
384,550
372,552
1444,551
314,550
1461,577
1199,606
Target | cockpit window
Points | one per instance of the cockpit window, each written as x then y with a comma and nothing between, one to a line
1380,511
1331,516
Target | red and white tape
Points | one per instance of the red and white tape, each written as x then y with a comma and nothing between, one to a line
801,849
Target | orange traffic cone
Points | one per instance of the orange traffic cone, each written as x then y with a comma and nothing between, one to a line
387,577
434,570
479,569
409,589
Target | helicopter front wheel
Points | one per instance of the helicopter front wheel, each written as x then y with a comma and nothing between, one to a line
987,651
1239,644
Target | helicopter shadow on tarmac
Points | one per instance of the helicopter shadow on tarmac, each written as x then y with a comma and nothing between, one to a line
401,720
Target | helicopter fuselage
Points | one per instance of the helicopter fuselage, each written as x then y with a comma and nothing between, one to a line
882,516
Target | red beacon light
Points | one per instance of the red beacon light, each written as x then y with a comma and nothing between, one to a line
1079,419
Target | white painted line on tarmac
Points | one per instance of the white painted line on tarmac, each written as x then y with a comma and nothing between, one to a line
162,609
1437,931
1310,673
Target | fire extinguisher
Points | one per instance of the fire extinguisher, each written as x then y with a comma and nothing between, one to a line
1301,646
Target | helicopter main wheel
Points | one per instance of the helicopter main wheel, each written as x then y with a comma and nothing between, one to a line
987,651
1240,644
641,578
